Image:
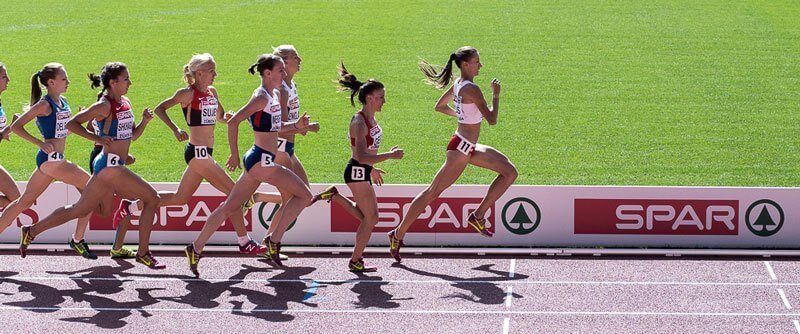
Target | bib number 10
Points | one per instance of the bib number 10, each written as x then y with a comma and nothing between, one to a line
201,152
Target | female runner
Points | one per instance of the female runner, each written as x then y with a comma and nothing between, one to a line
52,113
365,140
8,187
470,109
115,120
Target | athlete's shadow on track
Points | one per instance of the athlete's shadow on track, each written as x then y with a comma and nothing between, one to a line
287,286
482,290
370,293
110,311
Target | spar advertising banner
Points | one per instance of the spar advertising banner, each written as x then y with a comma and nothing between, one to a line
526,216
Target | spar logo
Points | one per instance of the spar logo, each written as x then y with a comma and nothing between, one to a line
764,218
270,209
188,217
656,216
521,216
443,215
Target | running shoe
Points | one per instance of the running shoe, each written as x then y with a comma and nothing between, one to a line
479,225
274,251
194,259
25,240
249,204
360,267
394,246
265,255
82,248
148,260
122,253
325,195
252,248
123,211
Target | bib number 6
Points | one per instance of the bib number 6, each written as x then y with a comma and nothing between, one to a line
114,160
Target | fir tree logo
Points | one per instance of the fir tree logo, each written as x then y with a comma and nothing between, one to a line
764,218
521,216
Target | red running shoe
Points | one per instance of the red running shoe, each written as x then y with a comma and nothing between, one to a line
252,248
479,225
123,211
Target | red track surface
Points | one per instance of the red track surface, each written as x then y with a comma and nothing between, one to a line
58,293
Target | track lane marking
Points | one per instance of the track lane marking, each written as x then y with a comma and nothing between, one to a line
506,325
511,268
508,297
784,299
770,271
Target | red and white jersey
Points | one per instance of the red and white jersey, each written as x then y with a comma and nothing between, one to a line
374,134
467,113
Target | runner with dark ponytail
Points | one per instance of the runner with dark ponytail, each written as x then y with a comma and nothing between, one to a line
365,141
470,108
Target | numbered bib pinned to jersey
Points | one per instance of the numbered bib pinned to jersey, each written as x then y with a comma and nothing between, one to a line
201,152
208,112
61,124
114,160
267,160
55,156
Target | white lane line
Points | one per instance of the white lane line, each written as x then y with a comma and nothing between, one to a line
499,280
783,298
508,297
383,311
507,324
770,271
796,325
511,268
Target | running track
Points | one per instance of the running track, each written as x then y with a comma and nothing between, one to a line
57,292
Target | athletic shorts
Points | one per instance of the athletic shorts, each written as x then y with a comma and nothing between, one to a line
104,160
458,143
42,157
357,172
197,152
285,146
256,155
97,149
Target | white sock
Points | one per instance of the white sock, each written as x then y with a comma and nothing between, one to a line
243,240
73,238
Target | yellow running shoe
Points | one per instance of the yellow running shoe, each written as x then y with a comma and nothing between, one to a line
25,240
325,195
122,253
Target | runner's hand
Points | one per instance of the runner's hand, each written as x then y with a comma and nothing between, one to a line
397,153
233,163
180,135
376,176
495,87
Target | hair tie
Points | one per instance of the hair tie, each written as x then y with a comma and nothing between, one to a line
452,56
39,73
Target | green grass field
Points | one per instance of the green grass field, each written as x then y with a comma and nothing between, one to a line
594,92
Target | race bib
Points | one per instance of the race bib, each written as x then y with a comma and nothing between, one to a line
465,146
114,160
457,104
61,124
2,122
294,109
267,160
201,152
377,134
208,113
55,156
358,173
282,144
124,125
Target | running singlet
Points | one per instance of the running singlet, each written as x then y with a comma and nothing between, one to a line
294,102
269,119
118,125
467,113
55,124
373,137
203,110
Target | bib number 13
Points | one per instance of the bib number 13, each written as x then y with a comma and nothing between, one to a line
358,173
